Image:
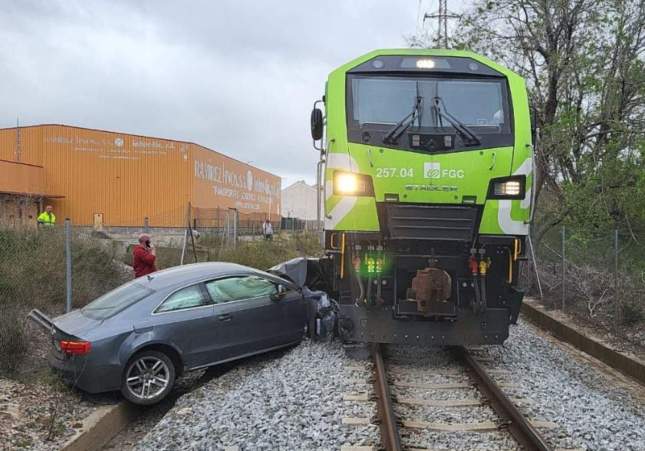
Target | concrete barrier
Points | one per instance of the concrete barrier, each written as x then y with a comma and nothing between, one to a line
628,365
101,426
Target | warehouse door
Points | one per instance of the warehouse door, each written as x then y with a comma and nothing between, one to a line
98,221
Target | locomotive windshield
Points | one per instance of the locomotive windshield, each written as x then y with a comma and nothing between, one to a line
429,114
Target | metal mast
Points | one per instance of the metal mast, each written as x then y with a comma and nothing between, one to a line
442,16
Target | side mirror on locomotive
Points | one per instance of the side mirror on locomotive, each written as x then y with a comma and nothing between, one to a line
317,123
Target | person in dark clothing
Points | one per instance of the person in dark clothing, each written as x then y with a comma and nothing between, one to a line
144,256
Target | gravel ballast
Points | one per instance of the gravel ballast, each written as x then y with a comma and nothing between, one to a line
293,401
592,412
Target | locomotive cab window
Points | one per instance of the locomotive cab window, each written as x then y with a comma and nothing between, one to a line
428,114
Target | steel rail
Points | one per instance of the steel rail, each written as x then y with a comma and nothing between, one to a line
519,426
388,422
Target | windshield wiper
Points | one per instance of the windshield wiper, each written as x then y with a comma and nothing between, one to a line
466,134
395,133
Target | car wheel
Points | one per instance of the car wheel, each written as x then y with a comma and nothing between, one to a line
148,378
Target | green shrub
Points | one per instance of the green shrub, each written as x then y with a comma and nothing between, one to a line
632,314
13,343
265,254
32,269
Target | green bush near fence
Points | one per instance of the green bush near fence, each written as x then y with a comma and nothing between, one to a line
258,254
32,275
32,272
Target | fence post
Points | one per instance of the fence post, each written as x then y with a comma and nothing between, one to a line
68,265
535,267
617,309
235,224
564,266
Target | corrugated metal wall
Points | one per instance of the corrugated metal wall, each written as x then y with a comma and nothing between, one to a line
21,178
23,145
126,178
220,181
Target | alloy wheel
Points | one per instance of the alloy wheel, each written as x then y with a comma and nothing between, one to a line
147,377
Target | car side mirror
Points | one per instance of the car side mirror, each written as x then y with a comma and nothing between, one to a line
317,124
279,294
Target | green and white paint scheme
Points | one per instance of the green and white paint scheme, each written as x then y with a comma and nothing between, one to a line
466,172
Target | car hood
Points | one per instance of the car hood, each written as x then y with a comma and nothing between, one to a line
76,324
295,269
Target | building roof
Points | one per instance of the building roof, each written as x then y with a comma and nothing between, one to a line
137,136
299,183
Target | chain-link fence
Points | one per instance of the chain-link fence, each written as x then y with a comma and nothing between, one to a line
54,271
229,221
298,225
598,276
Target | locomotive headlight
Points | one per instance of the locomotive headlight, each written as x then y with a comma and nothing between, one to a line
425,64
510,188
351,184
507,188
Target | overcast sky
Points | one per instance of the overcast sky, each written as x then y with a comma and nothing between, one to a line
238,76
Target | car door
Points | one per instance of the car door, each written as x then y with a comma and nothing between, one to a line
251,314
185,319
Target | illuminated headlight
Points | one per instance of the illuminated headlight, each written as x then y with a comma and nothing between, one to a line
350,184
510,188
425,64
507,188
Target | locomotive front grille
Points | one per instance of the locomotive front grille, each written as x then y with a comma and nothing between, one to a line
428,222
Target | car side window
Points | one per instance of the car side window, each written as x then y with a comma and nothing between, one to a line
239,288
185,298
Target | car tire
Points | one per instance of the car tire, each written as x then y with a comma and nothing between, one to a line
148,378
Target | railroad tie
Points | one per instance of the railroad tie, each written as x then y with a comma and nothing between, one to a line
433,386
356,421
356,397
484,426
543,424
357,368
440,402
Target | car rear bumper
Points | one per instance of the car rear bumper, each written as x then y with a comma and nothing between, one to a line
82,373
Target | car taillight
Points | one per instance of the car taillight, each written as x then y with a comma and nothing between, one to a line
75,347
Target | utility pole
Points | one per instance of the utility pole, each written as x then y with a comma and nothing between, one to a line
442,16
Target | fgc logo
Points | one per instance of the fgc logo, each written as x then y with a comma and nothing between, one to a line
432,170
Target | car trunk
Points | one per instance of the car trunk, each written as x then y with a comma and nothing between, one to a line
70,326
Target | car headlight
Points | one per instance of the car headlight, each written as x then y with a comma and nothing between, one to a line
350,184
507,188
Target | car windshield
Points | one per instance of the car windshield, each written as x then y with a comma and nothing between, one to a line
116,300
385,100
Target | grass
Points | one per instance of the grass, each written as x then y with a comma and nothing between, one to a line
32,273
258,254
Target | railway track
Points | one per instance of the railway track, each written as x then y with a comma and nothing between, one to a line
401,389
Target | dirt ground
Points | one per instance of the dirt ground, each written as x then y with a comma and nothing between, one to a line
630,340
37,411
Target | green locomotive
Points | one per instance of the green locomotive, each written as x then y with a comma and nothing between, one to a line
426,172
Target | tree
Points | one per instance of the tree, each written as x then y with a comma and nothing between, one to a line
583,61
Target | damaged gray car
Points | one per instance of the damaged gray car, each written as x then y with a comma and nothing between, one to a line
141,336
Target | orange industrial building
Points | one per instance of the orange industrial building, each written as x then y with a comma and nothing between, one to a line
104,178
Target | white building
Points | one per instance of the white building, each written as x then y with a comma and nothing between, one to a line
299,201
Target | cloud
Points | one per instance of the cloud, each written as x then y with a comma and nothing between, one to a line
238,77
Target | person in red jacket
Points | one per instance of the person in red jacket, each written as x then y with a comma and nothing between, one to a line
143,257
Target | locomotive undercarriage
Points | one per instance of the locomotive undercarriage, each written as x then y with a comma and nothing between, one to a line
426,279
